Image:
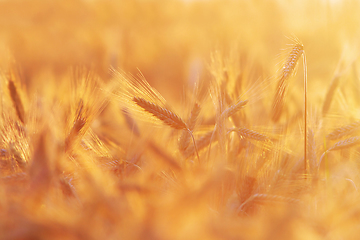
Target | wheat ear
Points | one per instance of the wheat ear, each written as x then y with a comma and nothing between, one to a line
261,198
185,136
347,143
343,144
166,116
344,131
286,72
15,97
233,109
250,134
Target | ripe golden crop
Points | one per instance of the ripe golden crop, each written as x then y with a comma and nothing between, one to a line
151,119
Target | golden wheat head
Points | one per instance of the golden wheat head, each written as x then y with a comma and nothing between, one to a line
286,71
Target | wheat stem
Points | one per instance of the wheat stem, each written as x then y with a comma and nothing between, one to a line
305,109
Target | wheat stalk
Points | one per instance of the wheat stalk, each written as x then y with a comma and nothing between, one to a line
344,131
311,150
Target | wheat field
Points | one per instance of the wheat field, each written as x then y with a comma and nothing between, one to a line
151,119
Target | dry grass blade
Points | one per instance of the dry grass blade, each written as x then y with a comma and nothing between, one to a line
15,97
165,115
344,131
185,136
330,94
286,72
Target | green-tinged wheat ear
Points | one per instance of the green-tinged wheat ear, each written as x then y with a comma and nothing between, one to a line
184,140
344,131
249,134
286,72
16,100
165,115
330,94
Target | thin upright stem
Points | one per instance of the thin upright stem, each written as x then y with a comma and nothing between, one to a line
305,111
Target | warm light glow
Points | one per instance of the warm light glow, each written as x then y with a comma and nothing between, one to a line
179,119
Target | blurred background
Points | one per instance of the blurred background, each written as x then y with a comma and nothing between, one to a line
171,41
